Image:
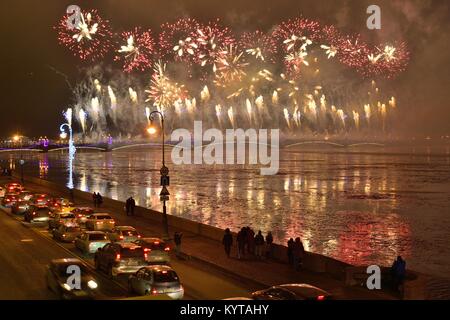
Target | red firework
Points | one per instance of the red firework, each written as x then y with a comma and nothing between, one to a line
259,45
136,50
89,38
213,39
179,40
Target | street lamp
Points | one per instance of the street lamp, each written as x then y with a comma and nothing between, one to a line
164,194
72,151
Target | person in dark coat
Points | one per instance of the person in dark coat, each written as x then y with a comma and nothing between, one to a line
99,199
177,239
250,240
269,242
290,251
241,240
227,241
95,199
259,245
298,252
398,273
127,206
132,205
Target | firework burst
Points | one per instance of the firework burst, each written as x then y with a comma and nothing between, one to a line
231,66
89,39
258,45
136,51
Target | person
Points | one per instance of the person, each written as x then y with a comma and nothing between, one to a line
269,242
132,206
127,206
398,273
177,239
290,250
99,199
241,240
227,241
259,245
95,199
298,251
250,240
244,235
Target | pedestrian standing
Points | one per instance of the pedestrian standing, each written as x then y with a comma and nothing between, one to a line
127,206
259,245
132,206
290,251
95,199
241,240
177,239
298,252
99,199
269,242
251,240
227,241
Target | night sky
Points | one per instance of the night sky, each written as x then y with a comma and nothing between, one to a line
34,95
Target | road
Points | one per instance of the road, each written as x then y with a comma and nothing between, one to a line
27,250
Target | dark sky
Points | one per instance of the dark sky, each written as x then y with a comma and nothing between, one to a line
33,95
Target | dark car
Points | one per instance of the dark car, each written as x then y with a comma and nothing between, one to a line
81,214
58,272
20,207
157,250
294,291
120,258
156,280
37,214
25,195
40,199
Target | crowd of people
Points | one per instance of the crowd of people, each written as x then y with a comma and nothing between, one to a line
256,245
97,199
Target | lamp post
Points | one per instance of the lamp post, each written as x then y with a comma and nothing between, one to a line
72,151
164,194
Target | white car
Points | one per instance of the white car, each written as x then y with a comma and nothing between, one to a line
100,221
91,241
124,234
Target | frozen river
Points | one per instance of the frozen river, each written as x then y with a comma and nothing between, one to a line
361,206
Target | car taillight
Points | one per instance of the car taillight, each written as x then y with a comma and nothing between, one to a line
145,255
64,235
79,216
156,242
121,237
118,257
147,250
34,213
320,298
139,236
154,291
166,249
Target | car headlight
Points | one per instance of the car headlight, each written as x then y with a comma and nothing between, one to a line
67,287
92,284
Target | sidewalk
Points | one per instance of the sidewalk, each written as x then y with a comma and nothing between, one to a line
262,273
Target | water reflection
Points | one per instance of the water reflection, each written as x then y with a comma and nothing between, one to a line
356,207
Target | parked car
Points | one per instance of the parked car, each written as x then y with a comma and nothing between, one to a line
20,207
156,280
60,218
91,241
9,200
82,214
59,204
294,291
100,221
57,275
124,234
67,232
157,250
119,258
37,214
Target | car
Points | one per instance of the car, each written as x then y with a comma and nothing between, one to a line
100,221
60,218
2,192
82,214
20,207
294,291
124,234
90,241
67,232
57,278
9,200
13,187
37,214
156,280
40,199
157,250
119,258
25,195
58,204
